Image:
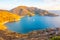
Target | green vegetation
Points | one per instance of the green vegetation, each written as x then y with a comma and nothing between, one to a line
55,38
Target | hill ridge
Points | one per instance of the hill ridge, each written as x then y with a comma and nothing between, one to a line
31,11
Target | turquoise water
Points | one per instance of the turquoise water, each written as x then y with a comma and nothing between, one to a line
27,24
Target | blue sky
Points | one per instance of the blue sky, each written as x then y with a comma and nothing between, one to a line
42,4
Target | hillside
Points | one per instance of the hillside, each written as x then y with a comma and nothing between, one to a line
6,16
48,34
31,11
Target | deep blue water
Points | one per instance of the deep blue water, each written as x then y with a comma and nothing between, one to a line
27,24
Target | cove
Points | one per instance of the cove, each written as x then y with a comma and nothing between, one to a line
28,24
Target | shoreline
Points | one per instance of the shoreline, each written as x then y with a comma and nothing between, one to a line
2,23
5,22
11,21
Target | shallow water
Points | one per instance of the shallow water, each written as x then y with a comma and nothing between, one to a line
27,24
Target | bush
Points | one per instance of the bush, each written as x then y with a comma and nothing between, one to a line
55,38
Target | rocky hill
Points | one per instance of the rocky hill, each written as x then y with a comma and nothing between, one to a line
35,35
31,11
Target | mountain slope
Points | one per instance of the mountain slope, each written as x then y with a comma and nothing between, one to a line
22,10
6,16
31,11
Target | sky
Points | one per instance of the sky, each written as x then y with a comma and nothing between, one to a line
42,4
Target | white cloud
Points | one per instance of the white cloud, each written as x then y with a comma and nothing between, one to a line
51,5
43,4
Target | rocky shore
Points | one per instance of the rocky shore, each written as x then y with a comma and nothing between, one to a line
34,35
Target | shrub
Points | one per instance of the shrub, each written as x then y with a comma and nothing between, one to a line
55,38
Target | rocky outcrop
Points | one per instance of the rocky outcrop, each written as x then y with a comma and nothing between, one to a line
31,11
34,35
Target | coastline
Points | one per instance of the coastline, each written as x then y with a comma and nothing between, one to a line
3,27
12,20
34,35
5,22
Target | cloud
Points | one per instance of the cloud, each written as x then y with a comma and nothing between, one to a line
43,4
50,5
52,1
